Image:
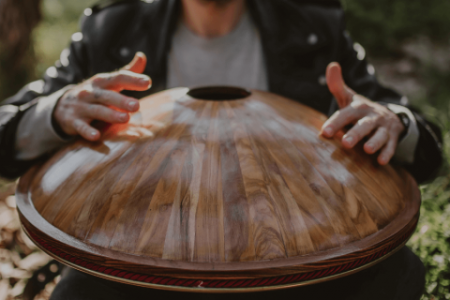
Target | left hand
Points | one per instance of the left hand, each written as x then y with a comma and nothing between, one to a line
370,119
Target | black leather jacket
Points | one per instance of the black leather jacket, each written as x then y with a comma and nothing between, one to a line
299,39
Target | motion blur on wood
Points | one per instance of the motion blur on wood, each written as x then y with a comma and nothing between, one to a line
413,37
217,184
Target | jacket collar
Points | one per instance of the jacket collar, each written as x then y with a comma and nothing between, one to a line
283,25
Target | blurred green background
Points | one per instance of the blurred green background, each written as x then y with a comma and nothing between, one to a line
408,42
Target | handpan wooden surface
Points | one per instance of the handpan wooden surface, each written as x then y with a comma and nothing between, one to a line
217,195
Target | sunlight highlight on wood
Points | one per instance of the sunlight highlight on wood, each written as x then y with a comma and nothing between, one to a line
218,190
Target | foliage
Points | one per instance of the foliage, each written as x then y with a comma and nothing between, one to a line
383,25
48,40
432,239
53,35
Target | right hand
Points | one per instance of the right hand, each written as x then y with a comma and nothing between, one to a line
98,98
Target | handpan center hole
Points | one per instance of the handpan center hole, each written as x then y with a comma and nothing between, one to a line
219,93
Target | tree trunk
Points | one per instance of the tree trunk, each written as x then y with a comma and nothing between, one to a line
18,18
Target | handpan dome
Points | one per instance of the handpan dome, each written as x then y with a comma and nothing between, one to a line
217,189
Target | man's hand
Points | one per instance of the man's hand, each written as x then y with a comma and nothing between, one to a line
370,119
98,98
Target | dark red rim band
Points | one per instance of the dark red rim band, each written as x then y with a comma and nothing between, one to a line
216,284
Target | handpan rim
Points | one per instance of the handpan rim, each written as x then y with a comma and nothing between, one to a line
197,289
386,213
35,223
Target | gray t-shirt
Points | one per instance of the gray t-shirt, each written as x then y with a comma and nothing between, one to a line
235,59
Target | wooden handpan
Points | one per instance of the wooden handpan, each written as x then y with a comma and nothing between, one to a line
217,190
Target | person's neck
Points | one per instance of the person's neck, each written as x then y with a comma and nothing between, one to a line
209,19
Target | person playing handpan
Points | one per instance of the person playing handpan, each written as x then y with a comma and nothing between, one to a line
297,49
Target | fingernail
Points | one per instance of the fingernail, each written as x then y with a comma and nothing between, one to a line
93,133
349,139
328,131
133,105
370,146
123,117
145,80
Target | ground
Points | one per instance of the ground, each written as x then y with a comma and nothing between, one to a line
407,41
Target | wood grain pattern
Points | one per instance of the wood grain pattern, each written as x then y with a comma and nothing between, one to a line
218,189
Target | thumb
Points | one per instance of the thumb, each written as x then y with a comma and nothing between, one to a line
342,93
137,65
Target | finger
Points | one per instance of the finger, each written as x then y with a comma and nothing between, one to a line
339,120
342,93
137,65
362,129
115,99
377,141
388,152
85,130
122,80
103,113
